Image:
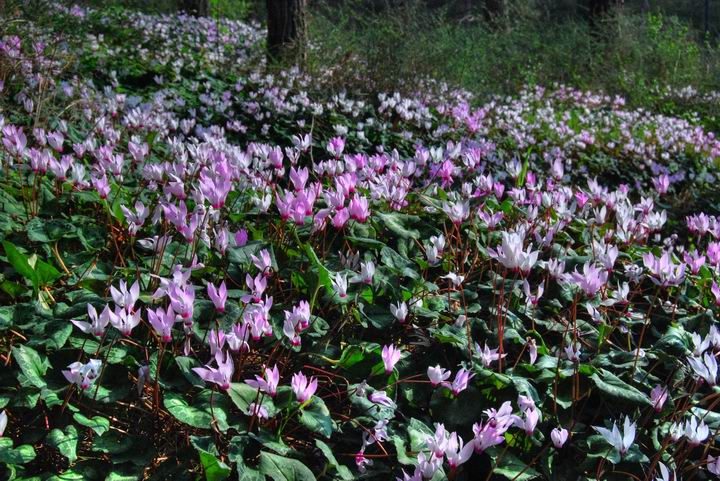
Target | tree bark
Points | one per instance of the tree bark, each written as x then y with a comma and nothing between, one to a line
598,8
287,30
197,8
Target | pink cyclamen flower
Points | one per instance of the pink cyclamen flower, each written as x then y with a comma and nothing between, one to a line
162,321
659,395
358,208
222,374
590,280
487,355
263,262
218,295
460,383
390,357
559,437
438,375
713,464
381,398
456,452
302,387
83,375
269,384
257,410
97,324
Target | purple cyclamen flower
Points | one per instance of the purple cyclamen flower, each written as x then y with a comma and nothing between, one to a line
269,384
182,299
456,452
659,395
218,295
302,387
559,437
264,262
390,357
590,280
460,383
381,398
162,321
220,375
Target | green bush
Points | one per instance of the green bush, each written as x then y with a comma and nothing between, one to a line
627,53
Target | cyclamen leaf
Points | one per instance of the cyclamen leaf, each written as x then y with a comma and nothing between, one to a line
65,442
32,365
279,468
615,387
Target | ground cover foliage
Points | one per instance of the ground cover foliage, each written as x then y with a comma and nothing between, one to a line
216,270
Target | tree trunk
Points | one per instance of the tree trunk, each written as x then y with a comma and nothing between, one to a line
287,30
197,8
598,8
494,10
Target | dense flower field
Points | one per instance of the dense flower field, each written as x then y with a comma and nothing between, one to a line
211,271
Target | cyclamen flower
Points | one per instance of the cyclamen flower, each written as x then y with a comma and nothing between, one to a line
124,297
455,279
361,461
218,295
162,321
400,311
659,395
182,300
269,384
591,279
573,352
3,422
487,435
663,270
264,262
532,350
335,146
437,375
125,321
457,211
530,420
696,433
487,355
366,274
666,474
559,437
460,383
511,255
257,286
303,388
438,442
257,410
713,465
220,375
620,441
456,452
339,283
97,325
705,367
358,208
381,398
390,357
83,375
